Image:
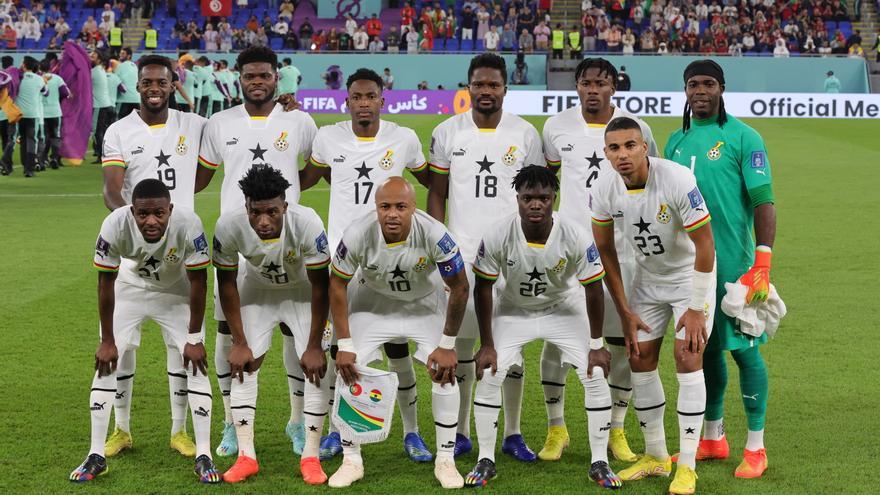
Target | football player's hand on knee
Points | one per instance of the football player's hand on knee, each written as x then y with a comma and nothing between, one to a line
106,357
345,366
601,358
195,354
695,333
632,324
441,365
486,357
314,365
240,360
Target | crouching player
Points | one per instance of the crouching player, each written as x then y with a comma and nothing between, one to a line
285,282
398,252
667,224
167,284
539,254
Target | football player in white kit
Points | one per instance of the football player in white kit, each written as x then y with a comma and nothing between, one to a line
165,281
398,254
474,156
284,280
540,254
152,142
666,222
574,142
354,156
257,132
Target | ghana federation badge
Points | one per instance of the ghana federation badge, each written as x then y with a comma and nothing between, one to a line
509,158
421,265
663,215
181,147
172,257
386,163
281,144
290,257
560,266
714,152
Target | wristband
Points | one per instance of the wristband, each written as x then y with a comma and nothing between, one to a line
596,344
346,345
699,287
762,256
446,342
195,338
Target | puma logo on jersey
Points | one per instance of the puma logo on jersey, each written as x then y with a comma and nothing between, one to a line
677,152
340,159
138,150
568,147
460,152
233,142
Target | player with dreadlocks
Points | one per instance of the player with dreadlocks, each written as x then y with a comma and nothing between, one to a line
574,143
732,167
542,256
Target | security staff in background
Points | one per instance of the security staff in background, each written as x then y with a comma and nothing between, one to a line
623,82
574,42
558,41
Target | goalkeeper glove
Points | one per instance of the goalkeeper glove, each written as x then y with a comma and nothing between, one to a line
757,279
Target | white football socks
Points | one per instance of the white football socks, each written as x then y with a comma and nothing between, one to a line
313,414
512,390
466,374
650,404
597,401
620,382
487,404
713,430
176,389
691,409
100,404
444,405
243,403
221,367
553,376
407,394
200,400
124,384
755,440
295,379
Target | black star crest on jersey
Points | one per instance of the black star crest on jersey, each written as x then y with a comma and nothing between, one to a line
397,272
594,161
272,267
258,153
363,171
151,262
535,274
485,164
162,158
689,431
643,225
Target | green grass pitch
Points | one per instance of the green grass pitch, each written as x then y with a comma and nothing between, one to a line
822,420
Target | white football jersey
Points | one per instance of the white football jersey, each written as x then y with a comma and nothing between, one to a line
579,149
481,164
158,265
168,152
360,165
275,263
655,219
238,141
537,276
401,270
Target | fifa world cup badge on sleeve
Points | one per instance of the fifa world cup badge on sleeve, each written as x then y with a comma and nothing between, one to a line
363,410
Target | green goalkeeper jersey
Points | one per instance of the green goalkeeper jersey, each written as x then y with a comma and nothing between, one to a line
733,174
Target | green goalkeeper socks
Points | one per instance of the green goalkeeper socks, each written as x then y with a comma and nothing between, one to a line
753,384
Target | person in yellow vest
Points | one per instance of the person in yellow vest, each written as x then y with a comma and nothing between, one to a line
558,41
115,40
151,37
574,42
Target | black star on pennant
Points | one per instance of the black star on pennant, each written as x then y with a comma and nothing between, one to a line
313,428
397,272
689,431
594,161
363,171
485,165
162,158
643,225
258,152
151,262
272,267
243,422
643,424
534,274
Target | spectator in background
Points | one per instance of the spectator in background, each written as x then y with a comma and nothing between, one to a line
387,79
508,38
374,27
345,41
832,84
526,19
108,16
482,22
376,45
351,25
542,36
252,24
10,36
526,41
393,40
317,41
854,39
212,39
629,42
360,40
467,25
280,28
449,27
286,10
623,81
614,39
490,41
856,51
780,51
427,42
333,40
291,41
422,86
520,74
226,33
407,16
412,40
305,32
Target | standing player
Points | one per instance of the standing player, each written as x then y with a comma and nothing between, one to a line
29,99
539,255
127,72
667,225
166,282
102,110
473,156
732,168
161,143
258,132
354,156
205,77
187,79
285,258
289,78
56,89
574,142
399,253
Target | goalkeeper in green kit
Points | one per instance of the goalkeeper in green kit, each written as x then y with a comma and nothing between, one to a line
732,168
